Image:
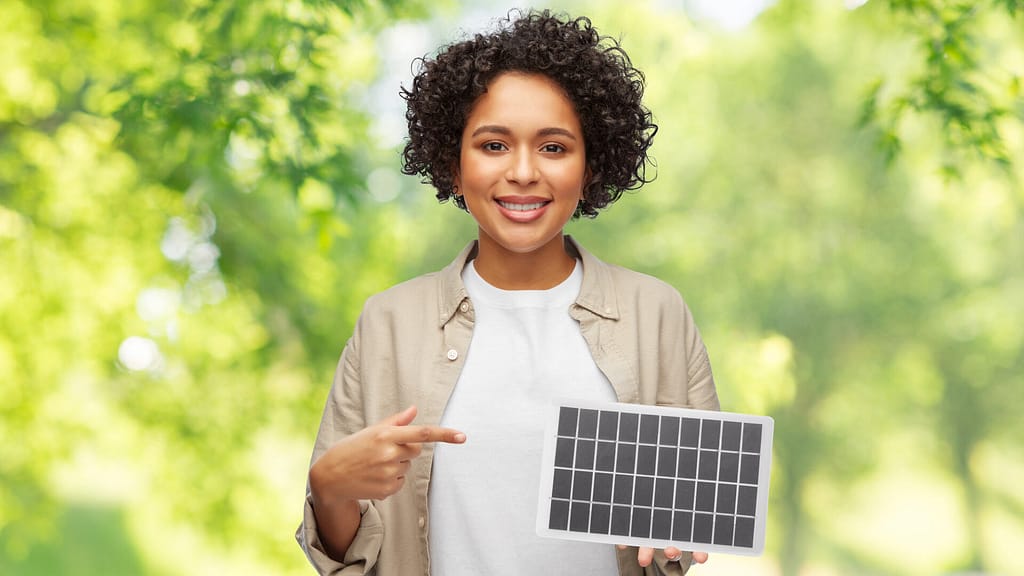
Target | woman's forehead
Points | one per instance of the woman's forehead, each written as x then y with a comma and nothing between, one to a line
523,98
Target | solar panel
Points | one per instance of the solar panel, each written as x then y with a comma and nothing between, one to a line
656,476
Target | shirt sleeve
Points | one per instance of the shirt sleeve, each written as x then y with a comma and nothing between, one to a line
361,556
343,415
702,392
684,368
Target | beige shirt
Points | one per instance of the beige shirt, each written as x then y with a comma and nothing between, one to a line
408,347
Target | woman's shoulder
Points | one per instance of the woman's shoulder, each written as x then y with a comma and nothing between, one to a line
436,291
415,293
645,290
631,284
635,280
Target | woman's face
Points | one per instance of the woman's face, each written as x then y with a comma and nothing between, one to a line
523,163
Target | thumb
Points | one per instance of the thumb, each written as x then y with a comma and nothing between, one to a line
403,418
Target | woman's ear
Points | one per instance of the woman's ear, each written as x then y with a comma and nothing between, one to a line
456,181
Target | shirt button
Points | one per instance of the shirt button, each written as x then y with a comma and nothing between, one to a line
453,354
422,522
464,306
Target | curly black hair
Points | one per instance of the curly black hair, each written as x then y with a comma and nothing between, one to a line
594,72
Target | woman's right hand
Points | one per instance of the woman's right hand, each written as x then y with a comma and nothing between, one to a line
372,463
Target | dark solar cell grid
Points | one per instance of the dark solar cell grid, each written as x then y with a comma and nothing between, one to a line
633,473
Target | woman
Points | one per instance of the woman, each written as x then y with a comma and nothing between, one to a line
428,454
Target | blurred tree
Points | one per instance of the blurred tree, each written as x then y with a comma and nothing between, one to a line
965,80
966,95
173,178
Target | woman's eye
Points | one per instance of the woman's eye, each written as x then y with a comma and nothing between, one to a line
494,146
553,148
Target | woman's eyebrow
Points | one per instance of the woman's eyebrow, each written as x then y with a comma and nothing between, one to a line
492,129
505,131
556,132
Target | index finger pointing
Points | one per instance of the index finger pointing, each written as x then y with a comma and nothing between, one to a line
418,434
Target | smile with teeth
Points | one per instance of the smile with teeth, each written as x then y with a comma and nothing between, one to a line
520,207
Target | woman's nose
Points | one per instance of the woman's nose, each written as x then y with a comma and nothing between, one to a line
523,168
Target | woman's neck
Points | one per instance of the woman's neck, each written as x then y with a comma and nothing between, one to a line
540,269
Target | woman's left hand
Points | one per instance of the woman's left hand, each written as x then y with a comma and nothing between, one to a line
646,555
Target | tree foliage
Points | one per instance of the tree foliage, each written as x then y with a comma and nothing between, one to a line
965,80
173,182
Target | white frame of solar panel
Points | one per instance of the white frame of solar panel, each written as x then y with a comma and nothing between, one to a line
764,452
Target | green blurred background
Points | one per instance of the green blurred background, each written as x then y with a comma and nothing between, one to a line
196,197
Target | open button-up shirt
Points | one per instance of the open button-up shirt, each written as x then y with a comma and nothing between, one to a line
409,346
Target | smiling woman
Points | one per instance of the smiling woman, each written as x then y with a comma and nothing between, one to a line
525,127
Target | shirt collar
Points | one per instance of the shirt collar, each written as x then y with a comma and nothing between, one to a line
597,294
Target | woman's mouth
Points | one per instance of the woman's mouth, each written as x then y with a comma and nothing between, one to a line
520,207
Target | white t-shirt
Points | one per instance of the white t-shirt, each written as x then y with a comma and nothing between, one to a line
525,353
